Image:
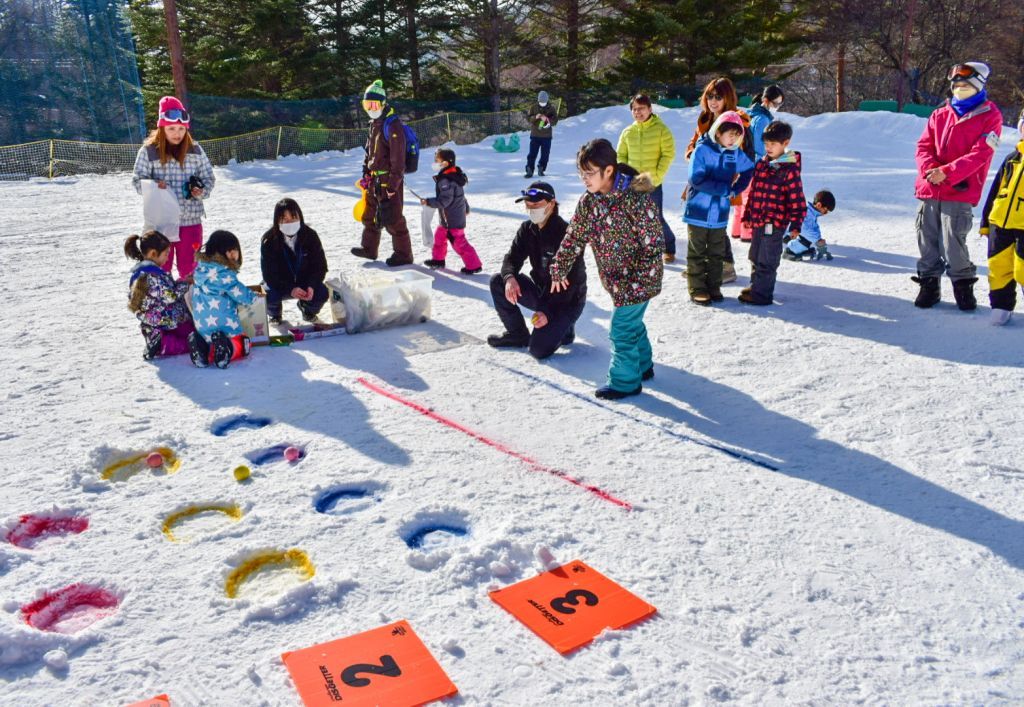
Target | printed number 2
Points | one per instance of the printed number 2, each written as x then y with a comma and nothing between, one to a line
387,667
563,605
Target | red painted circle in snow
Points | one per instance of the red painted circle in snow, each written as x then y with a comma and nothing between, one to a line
34,527
70,609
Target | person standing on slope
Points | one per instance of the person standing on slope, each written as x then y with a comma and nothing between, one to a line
953,156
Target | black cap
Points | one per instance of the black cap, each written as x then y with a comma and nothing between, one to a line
537,191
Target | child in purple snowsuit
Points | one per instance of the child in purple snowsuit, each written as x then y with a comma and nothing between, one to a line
156,299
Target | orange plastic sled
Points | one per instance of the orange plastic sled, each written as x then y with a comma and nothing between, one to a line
360,208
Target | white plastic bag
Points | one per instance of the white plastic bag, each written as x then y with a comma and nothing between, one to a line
160,211
426,225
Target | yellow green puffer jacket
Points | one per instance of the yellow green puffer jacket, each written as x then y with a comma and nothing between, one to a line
1004,207
648,147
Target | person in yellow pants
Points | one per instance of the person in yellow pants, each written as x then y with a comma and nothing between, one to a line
1002,220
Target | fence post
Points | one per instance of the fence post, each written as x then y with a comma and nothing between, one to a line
448,120
51,159
279,129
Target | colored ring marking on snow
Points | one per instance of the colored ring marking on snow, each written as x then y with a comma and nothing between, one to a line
531,463
221,428
33,526
171,462
46,612
229,509
294,558
275,453
329,499
415,541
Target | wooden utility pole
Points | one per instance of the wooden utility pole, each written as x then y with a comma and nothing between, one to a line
840,78
177,56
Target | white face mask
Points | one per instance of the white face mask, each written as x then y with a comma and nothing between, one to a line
374,114
538,215
542,104
963,91
438,166
290,229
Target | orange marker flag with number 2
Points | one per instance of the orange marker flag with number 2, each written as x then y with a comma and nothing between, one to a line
569,606
388,665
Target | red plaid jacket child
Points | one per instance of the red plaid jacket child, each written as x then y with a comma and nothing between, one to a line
777,194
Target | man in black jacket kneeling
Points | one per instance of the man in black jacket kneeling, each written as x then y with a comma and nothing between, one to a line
537,239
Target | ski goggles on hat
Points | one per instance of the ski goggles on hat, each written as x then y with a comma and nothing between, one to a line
961,72
175,115
373,105
535,194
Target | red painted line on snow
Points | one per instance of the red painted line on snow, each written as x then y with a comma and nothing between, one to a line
532,463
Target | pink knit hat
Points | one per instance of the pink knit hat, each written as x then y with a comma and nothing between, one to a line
172,113
729,116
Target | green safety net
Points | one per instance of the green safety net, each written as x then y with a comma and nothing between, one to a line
68,71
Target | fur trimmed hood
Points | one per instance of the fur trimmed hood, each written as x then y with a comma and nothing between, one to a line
220,260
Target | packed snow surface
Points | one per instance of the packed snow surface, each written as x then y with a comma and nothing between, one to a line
826,493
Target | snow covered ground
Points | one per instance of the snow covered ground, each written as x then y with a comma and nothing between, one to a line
873,554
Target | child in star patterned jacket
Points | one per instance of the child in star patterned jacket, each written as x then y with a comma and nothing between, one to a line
216,296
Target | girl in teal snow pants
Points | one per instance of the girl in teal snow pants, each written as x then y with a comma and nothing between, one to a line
620,221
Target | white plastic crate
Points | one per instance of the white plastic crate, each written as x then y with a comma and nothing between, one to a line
374,299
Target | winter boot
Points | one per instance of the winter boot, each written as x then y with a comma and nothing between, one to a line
470,271
529,174
569,336
198,350
154,340
608,393
395,260
434,264
1000,317
540,172
648,374
716,294
963,292
930,293
361,252
222,350
701,298
508,340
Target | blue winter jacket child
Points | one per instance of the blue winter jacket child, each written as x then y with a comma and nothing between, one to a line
712,170
760,118
810,233
216,294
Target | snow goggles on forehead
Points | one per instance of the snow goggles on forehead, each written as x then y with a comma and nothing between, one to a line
961,72
534,194
373,105
175,115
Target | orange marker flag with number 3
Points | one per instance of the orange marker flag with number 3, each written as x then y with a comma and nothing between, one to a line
569,606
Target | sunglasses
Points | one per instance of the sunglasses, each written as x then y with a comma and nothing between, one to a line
175,115
373,105
714,97
961,72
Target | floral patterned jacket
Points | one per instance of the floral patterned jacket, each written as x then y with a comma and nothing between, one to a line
624,231
155,298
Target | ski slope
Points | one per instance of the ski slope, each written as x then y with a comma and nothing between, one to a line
826,493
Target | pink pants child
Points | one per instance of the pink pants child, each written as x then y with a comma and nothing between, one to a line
190,239
737,228
459,244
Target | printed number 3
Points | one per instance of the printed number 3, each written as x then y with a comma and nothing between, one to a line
387,667
563,605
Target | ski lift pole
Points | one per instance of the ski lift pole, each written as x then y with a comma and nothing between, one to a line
278,153
51,159
448,121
